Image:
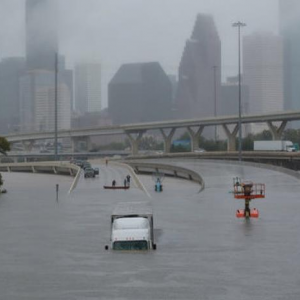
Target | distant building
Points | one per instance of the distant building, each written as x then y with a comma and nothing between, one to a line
88,88
289,11
92,119
37,95
229,103
37,88
139,92
199,71
41,34
263,74
10,71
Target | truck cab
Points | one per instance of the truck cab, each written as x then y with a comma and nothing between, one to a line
131,234
132,227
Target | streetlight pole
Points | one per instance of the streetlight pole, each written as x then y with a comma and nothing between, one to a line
239,25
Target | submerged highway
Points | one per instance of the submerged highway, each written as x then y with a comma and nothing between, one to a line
54,249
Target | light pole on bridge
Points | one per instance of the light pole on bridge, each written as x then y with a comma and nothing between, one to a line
239,25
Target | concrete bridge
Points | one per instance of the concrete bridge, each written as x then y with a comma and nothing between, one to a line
167,129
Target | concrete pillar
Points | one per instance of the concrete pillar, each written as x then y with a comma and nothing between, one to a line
28,145
73,143
231,137
88,142
195,137
167,139
277,131
81,143
134,139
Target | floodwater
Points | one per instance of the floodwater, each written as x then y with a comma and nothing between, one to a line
53,249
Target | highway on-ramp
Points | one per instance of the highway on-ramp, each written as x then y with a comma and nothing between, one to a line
54,249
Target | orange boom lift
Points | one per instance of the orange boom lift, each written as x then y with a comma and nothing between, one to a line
248,191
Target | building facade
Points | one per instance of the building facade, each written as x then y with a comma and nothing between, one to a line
139,92
10,71
289,11
229,103
88,88
37,85
199,76
263,74
37,102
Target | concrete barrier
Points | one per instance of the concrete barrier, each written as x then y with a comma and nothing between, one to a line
167,170
59,168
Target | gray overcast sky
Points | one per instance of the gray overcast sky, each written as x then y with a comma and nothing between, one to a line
120,31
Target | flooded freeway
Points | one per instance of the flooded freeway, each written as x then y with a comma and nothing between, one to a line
53,249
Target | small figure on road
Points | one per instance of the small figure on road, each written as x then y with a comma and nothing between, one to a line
128,179
106,162
113,183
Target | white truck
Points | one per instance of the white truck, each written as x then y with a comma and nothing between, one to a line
132,227
274,146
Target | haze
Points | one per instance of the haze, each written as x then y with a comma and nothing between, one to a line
120,31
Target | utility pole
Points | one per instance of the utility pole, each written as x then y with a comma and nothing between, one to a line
239,25
55,107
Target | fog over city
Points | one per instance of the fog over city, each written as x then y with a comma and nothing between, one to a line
121,31
149,149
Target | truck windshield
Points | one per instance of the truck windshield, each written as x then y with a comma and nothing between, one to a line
130,245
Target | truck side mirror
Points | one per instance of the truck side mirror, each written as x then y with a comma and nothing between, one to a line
106,247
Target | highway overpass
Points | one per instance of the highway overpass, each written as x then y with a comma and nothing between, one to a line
167,128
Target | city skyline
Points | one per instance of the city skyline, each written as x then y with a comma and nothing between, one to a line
98,30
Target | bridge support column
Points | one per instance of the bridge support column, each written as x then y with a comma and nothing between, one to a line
81,144
231,137
28,145
277,131
195,137
167,139
134,141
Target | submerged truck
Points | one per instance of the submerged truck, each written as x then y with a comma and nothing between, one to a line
274,146
132,227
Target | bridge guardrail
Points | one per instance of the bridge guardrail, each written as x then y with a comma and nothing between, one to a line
62,168
168,170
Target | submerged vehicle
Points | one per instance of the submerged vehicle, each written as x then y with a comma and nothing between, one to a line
132,227
89,173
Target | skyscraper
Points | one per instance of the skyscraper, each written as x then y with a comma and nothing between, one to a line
10,71
37,92
199,71
263,73
88,87
139,92
289,11
41,34
37,88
